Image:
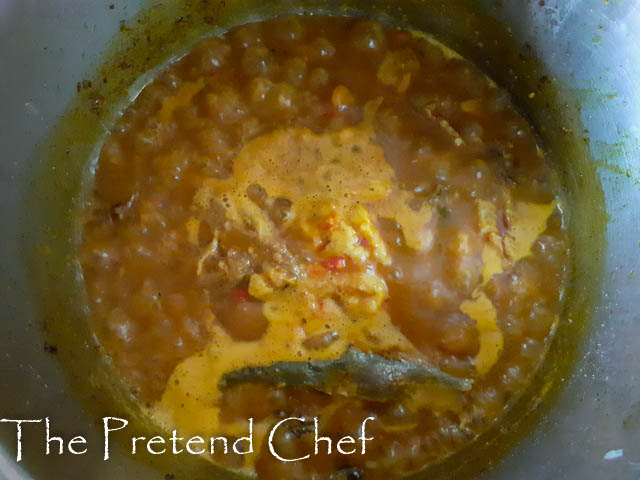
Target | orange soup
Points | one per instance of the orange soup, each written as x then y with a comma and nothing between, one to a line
318,217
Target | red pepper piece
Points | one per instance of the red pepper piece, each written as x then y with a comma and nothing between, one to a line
240,295
362,242
335,264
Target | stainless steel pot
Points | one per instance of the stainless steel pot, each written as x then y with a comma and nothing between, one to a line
581,59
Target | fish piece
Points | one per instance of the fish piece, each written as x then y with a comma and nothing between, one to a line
355,373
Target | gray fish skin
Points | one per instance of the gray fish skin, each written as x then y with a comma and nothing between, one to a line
365,375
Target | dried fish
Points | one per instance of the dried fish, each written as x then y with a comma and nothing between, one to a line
355,373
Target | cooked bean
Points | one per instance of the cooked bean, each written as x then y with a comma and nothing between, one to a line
226,105
259,87
319,78
368,35
296,70
323,47
210,55
244,320
247,35
258,60
288,29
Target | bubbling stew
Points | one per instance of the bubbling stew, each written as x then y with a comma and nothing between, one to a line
324,218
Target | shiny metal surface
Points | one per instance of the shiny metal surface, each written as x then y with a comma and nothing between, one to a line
591,47
594,430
